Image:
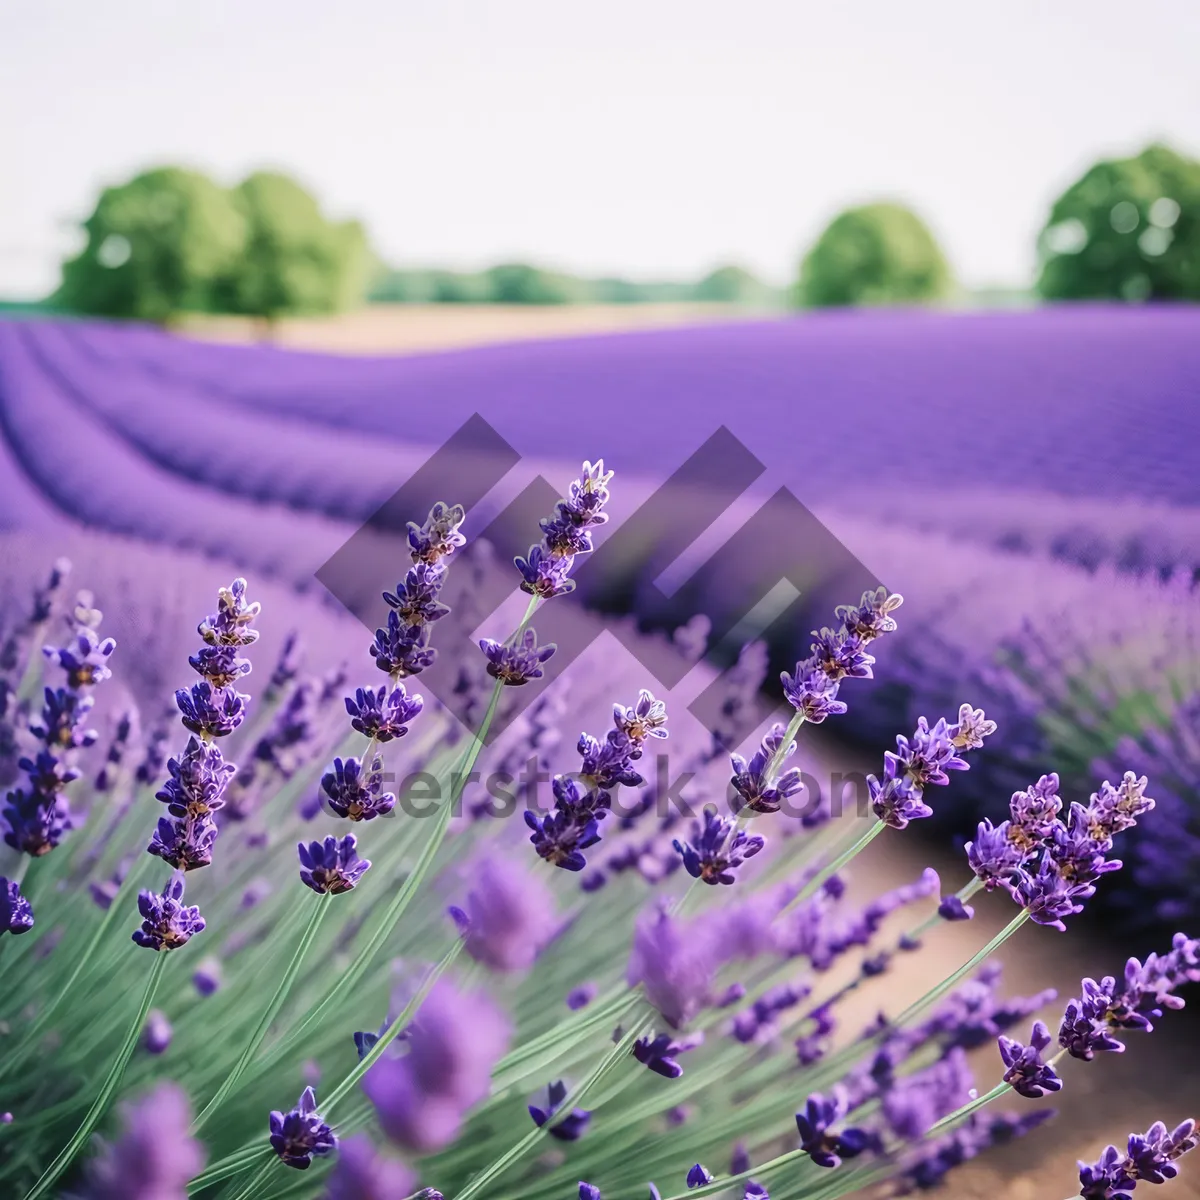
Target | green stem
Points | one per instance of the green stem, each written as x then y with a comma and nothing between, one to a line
270,1013
623,1048
830,869
256,1180
30,1036
936,993
393,1030
107,1090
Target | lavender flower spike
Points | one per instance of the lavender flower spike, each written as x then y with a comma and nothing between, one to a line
167,923
439,537
333,866
510,916
154,1158
1026,1072
571,1127
517,664
718,846
1149,1158
300,1135
356,794
361,1174
16,915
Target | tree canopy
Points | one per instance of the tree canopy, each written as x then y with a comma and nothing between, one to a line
171,241
877,254
1128,229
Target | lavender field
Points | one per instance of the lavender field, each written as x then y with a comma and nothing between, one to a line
1028,480
1029,483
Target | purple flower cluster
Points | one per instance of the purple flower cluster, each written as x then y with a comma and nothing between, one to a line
300,1135
1149,1157
818,1139
16,915
509,916
211,709
167,923
515,664
583,800
332,866
38,813
717,847
812,689
453,1043
922,760
355,794
1048,865
1135,1001
758,785
660,1053
568,1128
566,533
155,1157
402,648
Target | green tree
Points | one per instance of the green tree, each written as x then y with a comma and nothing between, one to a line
1129,229
155,247
294,259
519,283
878,254
733,285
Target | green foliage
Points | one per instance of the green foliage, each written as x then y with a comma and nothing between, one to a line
1129,229
520,283
156,245
878,254
172,241
294,260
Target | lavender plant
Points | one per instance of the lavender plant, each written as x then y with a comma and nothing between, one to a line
605,999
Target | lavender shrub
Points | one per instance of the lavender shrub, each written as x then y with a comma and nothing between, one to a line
606,998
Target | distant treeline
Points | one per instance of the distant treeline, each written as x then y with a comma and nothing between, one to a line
521,283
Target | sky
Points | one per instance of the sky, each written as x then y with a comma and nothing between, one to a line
650,138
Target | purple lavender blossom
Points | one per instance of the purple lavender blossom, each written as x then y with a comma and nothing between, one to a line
588,1191
567,532
993,854
718,846
510,916
569,1128
545,574
1149,1158
208,978
750,782
86,660
1116,809
758,1023
1076,850
439,537
230,624
453,1043
1033,813
674,963
197,781
812,688
817,1139
698,1176
519,663
332,866
16,915
660,1053
922,760
355,794
382,714
300,1135
361,1174
581,996
158,1032
167,923
952,908
416,599
402,650
560,837
645,717
155,1157
211,712
1026,1072
186,844
1046,895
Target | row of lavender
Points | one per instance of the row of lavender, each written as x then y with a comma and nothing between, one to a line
726,982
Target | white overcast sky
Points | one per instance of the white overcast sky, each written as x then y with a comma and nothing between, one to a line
654,138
